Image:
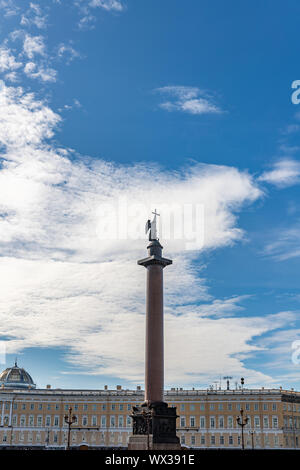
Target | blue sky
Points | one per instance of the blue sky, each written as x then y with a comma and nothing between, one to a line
163,103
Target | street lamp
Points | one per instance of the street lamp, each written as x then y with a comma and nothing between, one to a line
69,419
242,421
252,438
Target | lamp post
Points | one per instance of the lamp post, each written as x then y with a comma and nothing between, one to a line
242,421
252,438
69,419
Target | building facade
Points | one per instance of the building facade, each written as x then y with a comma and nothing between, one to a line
33,417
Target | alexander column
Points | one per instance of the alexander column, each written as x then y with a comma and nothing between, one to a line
154,422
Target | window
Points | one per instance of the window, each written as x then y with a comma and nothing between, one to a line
94,407
256,422
255,406
76,407
48,420
14,420
103,406
121,407
265,406
274,406
182,407
230,421
212,440
22,420
84,420
128,421
202,422
221,422
112,422
266,422
56,421
40,406
94,420
247,406
113,406
120,421
57,406
23,406
212,422
202,407
239,440
15,406
192,407
275,422
276,441
31,420
221,440
103,421
85,407
193,440
202,440
182,439
48,407
192,421
182,421
238,406
32,406
212,406
39,420
4,437
129,407
220,406
55,438
229,406
6,406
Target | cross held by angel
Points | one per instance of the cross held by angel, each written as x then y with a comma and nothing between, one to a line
151,227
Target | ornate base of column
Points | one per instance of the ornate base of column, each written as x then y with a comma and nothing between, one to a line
154,427
141,442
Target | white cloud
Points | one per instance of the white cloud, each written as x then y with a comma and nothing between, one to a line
34,16
34,45
46,74
10,8
286,172
24,120
187,99
106,4
8,61
87,295
67,52
286,244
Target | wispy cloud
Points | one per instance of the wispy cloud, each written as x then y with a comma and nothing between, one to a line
46,74
285,172
34,45
86,7
187,99
68,52
8,61
9,7
286,244
34,16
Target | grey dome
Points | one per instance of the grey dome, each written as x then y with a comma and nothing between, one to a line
16,377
